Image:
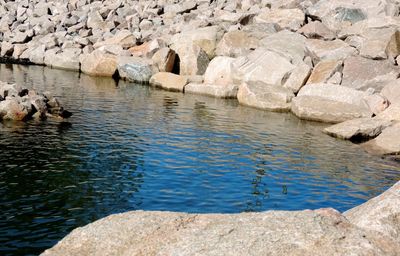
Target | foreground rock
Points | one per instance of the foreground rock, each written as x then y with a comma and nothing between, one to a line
387,143
19,104
169,81
370,229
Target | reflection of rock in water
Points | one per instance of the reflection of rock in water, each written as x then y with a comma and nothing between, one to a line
170,105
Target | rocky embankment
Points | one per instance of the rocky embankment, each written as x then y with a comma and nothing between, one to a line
325,60
19,104
372,228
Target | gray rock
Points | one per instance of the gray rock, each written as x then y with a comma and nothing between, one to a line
135,69
219,91
359,129
67,59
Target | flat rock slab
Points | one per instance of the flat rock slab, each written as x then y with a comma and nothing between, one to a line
169,81
387,143
361,128
214,90
320,109
318,232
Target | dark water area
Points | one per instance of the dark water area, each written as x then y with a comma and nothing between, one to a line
131,147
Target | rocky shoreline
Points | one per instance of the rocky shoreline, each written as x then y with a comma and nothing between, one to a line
328,61
372,228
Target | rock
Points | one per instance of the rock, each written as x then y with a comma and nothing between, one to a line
164,59
329,50
124,38
19,49
218,91
135,69
205,38
317,30
37,55
262,66
289,44
380,214
391,91
376,103
319,232
193,60
67,59
236,43
391,113
361,73
99,63
265,96
7,49
324,70
169,81
315,108
11,109
291,19
335,79
298,77
387,143
147,49
358,129
380,43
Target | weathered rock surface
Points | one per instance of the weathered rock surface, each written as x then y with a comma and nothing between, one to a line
169,81
358,129
99,63
370,229
135,69
387,143
236,43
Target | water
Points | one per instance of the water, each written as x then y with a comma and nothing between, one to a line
131,147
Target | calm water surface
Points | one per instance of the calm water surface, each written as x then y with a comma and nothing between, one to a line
130,147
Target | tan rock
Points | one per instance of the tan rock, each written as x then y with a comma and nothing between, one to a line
298,77
11,109
193,59
67,59
324,70
376,103
228,91
381,43
169,81
391,91
387,143
317,30
291,19
265,96
164,59
125,38
236,43
98,63
329,50
391,113
358,129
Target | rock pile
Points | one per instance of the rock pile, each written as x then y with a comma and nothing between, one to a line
324,60
369,229
20,104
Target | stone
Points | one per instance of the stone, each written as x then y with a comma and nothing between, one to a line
290,45
298,77
11,109
320,109
265,96
362,73
308,232
226,92
193,60
67,59
236,43
125,38
164,59
135,69
391,91
291,19
7,49
387,143
98,63
317,30
380,43
358,129
324,70
380,214
205,38
376,103
262,66
391,113
329,50
169,81
36,55
19,49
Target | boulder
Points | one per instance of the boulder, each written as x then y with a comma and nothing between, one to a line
298,77
67,59
265,96
164,59
316,108
291,19
135,69
358,129
236,43
376,103
380,214
193,60
317,30
263,66
380,43
362,73
219,91
205,38
169,81
324,70
329,50
124,38
391,113
387,143
391,91
98,63
12,109
36,55
318,232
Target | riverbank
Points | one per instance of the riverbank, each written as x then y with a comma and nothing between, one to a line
328,61
372,228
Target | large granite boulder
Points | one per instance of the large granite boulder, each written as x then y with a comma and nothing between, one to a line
236,43
12,109
135,69
193,60
391,91
169,81
291,19
387,143
329,50
67,59
98,63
